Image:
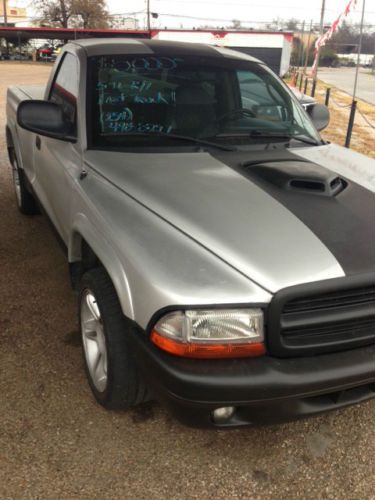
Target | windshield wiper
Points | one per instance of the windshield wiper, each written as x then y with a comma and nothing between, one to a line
300,138
189,138
288,137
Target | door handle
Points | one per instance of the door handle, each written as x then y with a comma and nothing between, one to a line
38,142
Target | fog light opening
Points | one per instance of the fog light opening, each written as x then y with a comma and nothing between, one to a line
223,415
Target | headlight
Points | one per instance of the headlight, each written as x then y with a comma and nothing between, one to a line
226,333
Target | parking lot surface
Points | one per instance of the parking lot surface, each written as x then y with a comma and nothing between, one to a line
56,442
343,78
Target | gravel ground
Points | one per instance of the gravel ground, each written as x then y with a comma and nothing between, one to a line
56,442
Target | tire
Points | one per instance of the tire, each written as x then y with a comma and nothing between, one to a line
25,201
115,382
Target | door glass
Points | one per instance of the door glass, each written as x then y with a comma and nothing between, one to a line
64,90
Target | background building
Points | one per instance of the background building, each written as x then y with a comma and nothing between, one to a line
16,16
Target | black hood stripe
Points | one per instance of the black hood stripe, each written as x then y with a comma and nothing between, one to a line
344,223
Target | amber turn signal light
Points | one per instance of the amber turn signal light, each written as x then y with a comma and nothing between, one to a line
207,350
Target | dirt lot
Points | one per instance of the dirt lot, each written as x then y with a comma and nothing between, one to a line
363,137
55,442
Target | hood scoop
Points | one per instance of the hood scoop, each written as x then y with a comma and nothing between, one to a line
297,175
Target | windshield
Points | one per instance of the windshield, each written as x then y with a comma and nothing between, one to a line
221,99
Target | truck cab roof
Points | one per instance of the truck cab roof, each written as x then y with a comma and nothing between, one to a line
101,46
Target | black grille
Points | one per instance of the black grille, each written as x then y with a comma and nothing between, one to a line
342,298
332,333
308,322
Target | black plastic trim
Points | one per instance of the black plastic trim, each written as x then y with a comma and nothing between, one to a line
52,135
275,341
264,390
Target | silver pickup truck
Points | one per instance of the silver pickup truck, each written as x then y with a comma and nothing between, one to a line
223,253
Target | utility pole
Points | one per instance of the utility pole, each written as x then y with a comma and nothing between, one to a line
354,102
359,50
5,13
322,12
148,16
308,48
300,55
5,25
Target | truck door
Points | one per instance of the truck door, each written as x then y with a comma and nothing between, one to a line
56,162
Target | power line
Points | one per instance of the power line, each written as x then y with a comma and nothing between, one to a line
196,18
246,4
128,13
202,18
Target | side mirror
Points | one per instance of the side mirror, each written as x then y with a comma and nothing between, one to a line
319,115
44,118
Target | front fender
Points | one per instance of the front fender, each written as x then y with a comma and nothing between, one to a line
83,229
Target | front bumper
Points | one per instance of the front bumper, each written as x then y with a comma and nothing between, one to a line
264,390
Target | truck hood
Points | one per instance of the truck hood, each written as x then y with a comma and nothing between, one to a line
243,208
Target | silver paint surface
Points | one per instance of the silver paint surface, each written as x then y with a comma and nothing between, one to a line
175,229
222,211
346,162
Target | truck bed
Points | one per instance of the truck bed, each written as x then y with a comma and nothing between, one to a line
15,95
29,91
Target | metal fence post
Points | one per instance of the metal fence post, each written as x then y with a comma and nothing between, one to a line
328,94
301,82
350,124
313,88
306,84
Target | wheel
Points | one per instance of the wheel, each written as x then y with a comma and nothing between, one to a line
110,366
25,201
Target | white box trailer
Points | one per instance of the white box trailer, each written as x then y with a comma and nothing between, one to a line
274,48
364,59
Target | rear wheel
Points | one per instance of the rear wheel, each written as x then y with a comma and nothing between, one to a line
25,201
110,365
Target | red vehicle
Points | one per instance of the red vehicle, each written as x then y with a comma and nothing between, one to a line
45,52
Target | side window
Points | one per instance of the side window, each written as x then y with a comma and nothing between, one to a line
64,89
253,89
262,99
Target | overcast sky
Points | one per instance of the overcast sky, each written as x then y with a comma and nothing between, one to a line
221,12
246,10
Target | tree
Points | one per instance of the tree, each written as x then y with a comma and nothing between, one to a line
346,40
275,25
295,58
54,13
236,24
90,14
292,24
328,57
73,13
278,24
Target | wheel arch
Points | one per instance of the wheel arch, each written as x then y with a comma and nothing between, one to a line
9,143
87,250
13,147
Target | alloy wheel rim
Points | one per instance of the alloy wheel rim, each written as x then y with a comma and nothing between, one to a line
93,338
